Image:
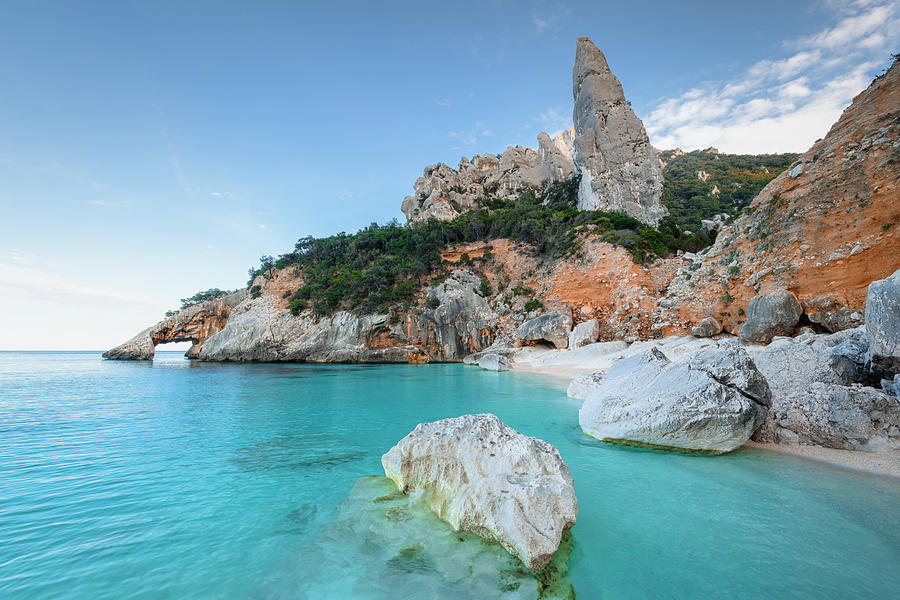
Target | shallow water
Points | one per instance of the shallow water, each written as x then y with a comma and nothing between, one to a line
182,479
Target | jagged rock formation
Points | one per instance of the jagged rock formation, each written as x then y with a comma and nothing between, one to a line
480,475
553,327
193,324
823,229
883,324
443,193
619,168
607,146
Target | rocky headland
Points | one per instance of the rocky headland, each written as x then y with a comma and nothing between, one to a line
798,288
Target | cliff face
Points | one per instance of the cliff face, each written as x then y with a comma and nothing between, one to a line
444,193
608,146
193,324
823,229
619,168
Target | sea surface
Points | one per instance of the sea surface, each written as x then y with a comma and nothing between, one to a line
181,479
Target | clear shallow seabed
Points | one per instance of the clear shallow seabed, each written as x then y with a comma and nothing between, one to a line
179,479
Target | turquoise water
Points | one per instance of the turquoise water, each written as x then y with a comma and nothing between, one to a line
179,479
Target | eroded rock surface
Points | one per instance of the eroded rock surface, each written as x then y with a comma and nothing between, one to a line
482,476
493,362
770,315
710,401
443,192
708,327
553,327
883,323
850,417
619,168
193,324
584,333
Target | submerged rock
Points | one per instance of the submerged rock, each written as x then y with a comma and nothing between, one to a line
710,401
771,315
553,327
493,362
382,544
482,476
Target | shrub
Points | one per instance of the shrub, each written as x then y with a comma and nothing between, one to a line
210,294
256,291
486,289
533,304
432,302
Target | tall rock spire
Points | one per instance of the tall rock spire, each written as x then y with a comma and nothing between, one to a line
619,168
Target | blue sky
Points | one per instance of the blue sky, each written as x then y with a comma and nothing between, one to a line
152,149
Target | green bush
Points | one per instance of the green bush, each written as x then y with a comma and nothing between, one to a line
533,304
486,289
432,302
210,294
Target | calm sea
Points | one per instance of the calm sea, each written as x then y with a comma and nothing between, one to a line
180,479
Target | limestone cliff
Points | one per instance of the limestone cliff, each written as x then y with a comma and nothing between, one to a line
193,324
443,192
822,230
608,146
619,168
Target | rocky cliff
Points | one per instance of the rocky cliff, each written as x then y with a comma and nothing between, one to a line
608,146
619,168
817,235
823,229
444,193
193,324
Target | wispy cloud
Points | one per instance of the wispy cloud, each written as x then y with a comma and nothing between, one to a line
20,279
446,102
223,194
21,257
554,120
783,104
543,21
112,203
470,137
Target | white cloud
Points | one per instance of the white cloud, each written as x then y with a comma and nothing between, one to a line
223,194
783,104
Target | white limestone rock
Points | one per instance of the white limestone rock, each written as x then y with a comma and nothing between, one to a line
584,333
848,417
553,327
482,476
771,315
584,385
708,327
493,362
883,323
709,401
619,168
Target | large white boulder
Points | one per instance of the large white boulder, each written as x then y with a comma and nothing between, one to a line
709,401
553,327
493,362
482,476
584,333
584,385
883,323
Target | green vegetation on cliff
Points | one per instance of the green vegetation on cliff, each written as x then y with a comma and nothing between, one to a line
703,183
385,265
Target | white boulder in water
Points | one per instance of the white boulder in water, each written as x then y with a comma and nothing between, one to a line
710,401
480,475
